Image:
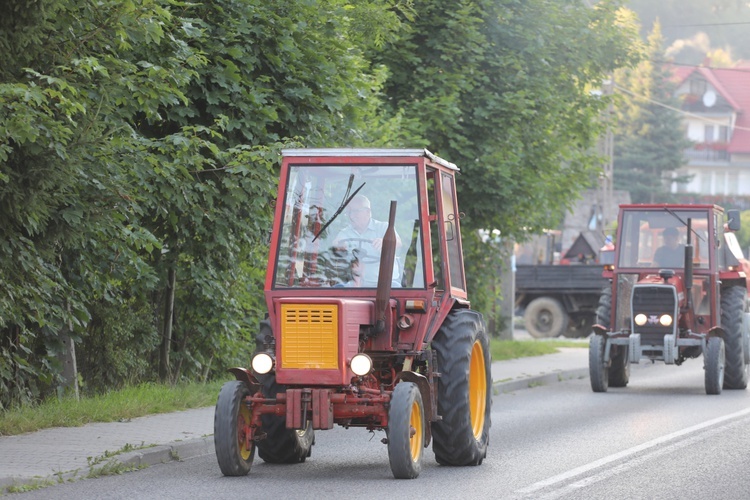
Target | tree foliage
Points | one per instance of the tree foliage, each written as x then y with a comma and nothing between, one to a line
507,99
139,149
650,140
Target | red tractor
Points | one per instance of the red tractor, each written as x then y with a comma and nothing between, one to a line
368,321
678,291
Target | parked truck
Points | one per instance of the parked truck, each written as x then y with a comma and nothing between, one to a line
559,299
559,294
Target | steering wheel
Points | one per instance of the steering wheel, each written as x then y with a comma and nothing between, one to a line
361,253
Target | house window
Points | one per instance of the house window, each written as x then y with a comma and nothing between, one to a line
734,182
720,186
697,87
723,133
708,134
706,183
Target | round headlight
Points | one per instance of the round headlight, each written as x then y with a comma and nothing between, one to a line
262,363
640,319
665,320
361,364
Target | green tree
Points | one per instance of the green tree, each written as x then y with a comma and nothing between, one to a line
649,142
495,88
137,169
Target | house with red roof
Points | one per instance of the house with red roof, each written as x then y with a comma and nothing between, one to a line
716,114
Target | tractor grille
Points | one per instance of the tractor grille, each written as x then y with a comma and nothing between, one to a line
309,336
653,301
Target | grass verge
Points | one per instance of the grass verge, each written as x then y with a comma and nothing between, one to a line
123,404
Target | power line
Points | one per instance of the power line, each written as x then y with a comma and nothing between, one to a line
739,70
703,25
678,110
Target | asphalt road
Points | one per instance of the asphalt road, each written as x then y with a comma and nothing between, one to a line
661,437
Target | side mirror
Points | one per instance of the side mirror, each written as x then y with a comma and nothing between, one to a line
733,222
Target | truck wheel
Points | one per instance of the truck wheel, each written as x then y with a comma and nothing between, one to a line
545,317
733,303
406,431
713,364
231,426
280,445
464,390
598,372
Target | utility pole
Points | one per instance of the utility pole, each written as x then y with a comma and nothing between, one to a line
604,193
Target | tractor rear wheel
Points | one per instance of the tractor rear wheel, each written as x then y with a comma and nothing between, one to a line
406,431
545,317
598,372
464,390
231,427
713,364
280,445
733,305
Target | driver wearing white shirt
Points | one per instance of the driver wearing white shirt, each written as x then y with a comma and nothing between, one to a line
364,238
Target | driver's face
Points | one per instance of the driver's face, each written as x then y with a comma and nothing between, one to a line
359,216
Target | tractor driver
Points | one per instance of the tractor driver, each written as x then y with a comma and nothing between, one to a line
363,239
671,254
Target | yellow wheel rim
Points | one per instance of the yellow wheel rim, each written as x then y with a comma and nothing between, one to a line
243,422
477,389
417,432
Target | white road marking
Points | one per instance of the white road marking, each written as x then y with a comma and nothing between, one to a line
569,475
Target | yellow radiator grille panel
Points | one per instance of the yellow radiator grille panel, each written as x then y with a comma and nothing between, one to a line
309,336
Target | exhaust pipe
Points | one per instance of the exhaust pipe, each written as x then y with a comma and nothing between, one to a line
385,274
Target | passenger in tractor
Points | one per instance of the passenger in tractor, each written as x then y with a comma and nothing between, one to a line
671,254
363,238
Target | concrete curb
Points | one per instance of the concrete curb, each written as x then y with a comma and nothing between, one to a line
505,386
136,459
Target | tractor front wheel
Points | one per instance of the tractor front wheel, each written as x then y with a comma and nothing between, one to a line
713,364
464,389
598,372
234,451
406,431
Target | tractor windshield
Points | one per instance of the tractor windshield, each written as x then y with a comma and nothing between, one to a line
657,238
334,220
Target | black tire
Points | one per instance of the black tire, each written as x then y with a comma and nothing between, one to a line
598,372
733,303
619,368
406,431
579,326
280,445
604,309
464,390
714,365
231,418
545,317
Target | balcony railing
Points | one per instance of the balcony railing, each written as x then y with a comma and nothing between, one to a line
708,151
